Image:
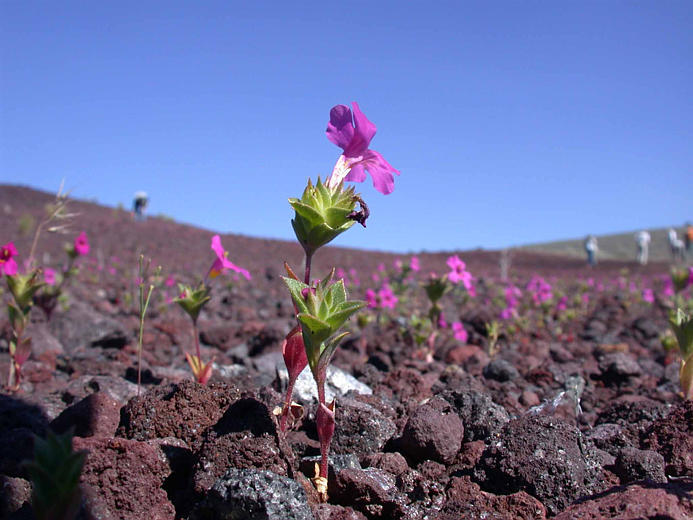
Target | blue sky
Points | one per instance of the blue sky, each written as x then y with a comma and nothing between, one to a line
511,122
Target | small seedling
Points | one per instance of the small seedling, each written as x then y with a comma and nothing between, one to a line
54,473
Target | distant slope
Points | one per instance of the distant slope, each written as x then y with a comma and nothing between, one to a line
620,246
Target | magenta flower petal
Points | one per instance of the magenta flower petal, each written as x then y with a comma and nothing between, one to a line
381,172
82,244
217,247
340,129
364,132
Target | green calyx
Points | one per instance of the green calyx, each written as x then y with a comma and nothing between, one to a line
435,289
192,300
682,325
23,288
322,309
322,214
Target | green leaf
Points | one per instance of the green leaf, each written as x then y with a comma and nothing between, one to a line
337,217
315,326
308,212
343,312
328,351
296,288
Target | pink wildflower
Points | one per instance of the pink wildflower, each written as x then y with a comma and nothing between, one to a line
82,244
170,281
49,276
562,303
507,313
355,138
371,299
458,272
8,265
222,263
648,295
459,332
414,264
387,297
441,321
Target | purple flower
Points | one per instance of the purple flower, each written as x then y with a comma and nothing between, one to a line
414,264
8,265
49,276
222,263
82,244
648,295
371,299
507,313
459,332
387,297
458,272
355,138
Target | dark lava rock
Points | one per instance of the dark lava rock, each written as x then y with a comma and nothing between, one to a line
633,464
14,493
480,415
672,437
467,500
393,463
638,501
333,512
647,327
609,437
97,415
618,367
434,431
634,414
371,491
122,479
360,428
544,456
244,438
500,370
184,410
251,494
117,388
81,326
336,463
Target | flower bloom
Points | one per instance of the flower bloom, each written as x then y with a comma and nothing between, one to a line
222,263
562,303
8,265
414,264
648,295
49,276
82,244
371,299
170,281
458,272
540,289
507,313
355,138
459,332
384,298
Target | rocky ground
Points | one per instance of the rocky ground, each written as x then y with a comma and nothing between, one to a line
574,414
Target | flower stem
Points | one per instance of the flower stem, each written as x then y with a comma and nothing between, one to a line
287,406
309,261
196,338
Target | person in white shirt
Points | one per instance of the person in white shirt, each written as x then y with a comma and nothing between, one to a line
642,238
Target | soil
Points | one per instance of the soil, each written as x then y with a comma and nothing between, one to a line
573,415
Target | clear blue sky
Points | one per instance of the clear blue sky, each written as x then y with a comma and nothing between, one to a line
511,122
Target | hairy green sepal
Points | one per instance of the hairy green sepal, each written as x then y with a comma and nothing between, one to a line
322,214
192,300
322,309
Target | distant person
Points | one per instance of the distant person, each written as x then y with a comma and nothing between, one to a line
676,245
139,205
642,239
591,249
688,237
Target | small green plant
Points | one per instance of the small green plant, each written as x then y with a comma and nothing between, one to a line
682,325
54,474
145,293
492,332
192,300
